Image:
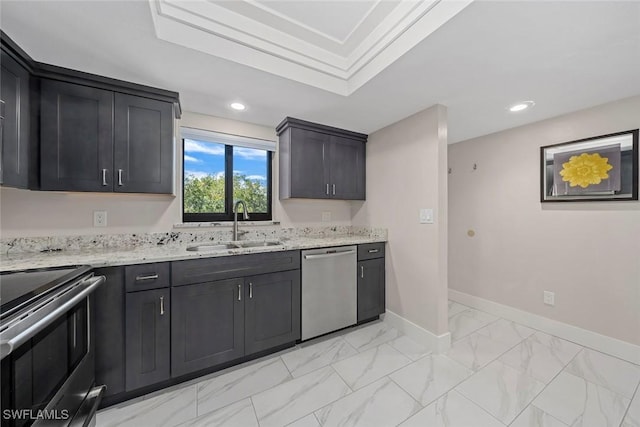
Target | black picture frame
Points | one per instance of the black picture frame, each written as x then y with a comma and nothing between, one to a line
599,168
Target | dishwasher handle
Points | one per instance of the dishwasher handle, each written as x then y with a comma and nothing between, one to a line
330,254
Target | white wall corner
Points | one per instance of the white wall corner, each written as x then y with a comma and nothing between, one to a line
436,343
615,347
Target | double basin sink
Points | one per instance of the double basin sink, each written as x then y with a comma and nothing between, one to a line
230,245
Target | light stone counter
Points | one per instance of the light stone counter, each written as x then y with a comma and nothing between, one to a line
146,252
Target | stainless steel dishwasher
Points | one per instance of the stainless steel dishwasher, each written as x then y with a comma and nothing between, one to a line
329,290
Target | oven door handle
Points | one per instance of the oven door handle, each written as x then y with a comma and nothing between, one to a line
11,339
87,412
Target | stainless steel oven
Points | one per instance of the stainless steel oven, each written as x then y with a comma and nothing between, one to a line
47,348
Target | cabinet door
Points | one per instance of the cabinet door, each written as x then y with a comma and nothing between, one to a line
14,141
347,168
272,310
143,147
207,325
147,338
76,137
370,289
109,300
308,157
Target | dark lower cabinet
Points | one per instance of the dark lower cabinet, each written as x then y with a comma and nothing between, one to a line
272,310
207,326
371,292
109,301
148,321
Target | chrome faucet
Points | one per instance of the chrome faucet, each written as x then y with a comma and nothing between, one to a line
245,216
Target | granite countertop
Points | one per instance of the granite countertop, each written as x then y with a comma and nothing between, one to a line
127,255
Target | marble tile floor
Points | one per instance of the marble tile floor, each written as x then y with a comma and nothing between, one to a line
497,373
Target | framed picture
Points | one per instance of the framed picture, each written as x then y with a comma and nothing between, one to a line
592,169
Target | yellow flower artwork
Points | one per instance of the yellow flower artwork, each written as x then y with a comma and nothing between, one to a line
585,170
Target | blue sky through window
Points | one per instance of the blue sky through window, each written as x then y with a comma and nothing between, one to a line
207,158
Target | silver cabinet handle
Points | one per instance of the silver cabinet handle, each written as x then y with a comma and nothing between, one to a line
149,277
374,251
334,189
362,271
239,292
120,177
104,177
75,328
250,290
327,189
162,306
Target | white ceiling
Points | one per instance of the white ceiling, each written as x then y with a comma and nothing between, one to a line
564,55
333,45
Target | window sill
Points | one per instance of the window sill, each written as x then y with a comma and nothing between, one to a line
223,224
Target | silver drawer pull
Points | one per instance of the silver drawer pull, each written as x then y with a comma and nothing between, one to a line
149,277
161,306
334,189
239,292
104,177
327,189
374,251
362,271
120,177
250,290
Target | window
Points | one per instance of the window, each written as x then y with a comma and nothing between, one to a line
220,169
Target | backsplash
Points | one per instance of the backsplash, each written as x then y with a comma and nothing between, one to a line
85,242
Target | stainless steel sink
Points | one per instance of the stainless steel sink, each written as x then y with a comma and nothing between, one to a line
212,247
257,244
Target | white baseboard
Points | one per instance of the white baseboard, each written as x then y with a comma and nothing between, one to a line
615,347
437,343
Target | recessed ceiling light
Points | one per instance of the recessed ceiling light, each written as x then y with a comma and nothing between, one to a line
521,106
238,106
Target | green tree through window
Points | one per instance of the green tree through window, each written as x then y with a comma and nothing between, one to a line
207,193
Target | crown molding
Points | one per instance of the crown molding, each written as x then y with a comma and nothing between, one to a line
216,30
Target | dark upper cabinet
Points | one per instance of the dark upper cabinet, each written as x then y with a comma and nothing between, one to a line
347,164
109,312
207,325
76,137
272,310
320,162
15,122
143,147
97,140
148,345
371,281
65,130
307,154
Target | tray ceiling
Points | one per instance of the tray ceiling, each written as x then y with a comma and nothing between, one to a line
334,45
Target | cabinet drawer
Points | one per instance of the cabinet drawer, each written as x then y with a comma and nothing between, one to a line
142,277
370,251
228,267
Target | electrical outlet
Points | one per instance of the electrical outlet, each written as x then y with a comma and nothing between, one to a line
326,216
549,298
99,218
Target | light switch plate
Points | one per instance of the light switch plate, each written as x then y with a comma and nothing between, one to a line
326,216
426,216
